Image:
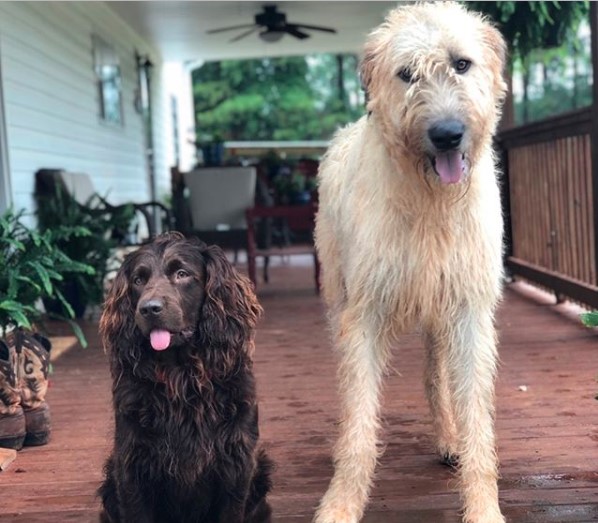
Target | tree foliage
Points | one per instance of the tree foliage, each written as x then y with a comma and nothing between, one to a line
291,98
553,81
533,25
550,63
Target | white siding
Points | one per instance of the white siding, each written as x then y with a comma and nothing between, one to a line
52,102
176,79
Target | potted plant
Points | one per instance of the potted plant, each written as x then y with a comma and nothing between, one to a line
106,227
33,267
212,149
292,187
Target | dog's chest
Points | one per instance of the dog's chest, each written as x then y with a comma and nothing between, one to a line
427,267
179,407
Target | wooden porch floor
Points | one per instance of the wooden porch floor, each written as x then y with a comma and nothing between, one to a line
547,435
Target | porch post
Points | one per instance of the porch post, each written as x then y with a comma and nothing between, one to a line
144,71
594,131
5,180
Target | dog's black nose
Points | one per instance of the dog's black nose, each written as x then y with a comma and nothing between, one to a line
151,307
447,134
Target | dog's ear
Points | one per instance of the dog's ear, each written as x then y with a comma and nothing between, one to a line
496,44
368,65
117,323
374,58
365,71
230,310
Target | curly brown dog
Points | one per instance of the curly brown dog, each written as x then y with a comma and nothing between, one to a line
409,234
178,324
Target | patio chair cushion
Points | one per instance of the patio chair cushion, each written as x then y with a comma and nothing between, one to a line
78,185
218,198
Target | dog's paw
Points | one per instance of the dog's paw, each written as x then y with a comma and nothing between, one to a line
331,512
494,517
450,460
335,516
488,514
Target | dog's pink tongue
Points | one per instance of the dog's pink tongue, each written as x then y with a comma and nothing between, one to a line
160,339
449,166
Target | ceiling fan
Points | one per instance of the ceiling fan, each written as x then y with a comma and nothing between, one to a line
272,25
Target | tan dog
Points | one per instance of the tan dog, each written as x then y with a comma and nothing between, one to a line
410,236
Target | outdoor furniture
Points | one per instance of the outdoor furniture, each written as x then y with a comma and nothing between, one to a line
300,220
218,198
154,216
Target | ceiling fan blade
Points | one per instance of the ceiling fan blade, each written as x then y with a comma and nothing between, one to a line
293,30
244,34
221,29
315,28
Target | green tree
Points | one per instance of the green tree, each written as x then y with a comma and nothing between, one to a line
528,26
554,80
292,98
549,61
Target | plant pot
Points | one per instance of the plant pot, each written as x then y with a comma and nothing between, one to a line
213,154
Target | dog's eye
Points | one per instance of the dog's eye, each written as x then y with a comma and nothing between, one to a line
180,274
461,66
406,75
138,280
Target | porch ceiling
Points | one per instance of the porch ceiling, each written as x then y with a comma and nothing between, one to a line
178,29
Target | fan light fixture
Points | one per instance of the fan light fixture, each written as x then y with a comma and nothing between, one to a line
271,25
271,35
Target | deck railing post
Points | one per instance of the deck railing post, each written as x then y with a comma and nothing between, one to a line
594,131
505,189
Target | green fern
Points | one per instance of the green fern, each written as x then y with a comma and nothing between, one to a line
32,266
86,234
590,319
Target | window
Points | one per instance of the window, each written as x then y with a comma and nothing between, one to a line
107,69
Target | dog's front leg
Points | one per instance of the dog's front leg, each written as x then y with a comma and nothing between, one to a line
439,397
234,512
472,368
132,504
363,359
234,502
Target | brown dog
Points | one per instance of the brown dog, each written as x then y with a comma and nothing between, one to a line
179,324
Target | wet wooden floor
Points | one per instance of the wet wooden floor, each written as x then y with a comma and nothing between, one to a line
547,434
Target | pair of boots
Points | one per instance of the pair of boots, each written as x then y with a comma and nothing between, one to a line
24,414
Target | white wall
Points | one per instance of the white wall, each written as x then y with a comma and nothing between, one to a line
51,100
176,79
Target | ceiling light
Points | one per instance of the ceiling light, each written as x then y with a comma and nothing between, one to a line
271,35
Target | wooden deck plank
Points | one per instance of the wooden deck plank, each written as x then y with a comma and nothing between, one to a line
547,435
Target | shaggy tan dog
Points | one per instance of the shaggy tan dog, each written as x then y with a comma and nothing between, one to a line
410,237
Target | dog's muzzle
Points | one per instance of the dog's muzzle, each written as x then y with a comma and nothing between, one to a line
448,161
151,310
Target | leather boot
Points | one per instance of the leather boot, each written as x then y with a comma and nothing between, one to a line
33,363
12,418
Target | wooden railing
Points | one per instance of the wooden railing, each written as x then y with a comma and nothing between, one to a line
551,229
